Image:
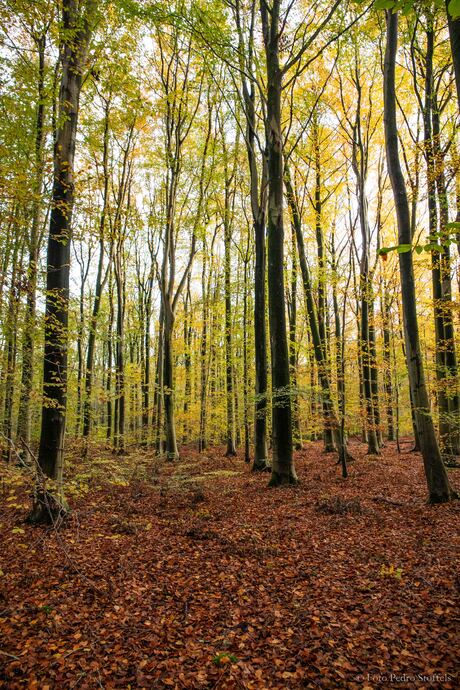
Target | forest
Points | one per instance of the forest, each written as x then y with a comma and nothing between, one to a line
229,342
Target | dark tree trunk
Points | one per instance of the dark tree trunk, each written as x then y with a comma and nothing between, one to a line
187,362
293,344
258,195
318,350
119,426
99,285
322,304
73,55
172,451
443,407
247,456
359,164
205,287
438,484
108,388
158,406
283,470
452,400
387,378
230,444
454,34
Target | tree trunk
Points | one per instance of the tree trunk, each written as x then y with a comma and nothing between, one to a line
322,304
438,484
230,449
158,416
108,388
11,346
452,421
293,344
318,350
99,285
202,443
258,196
28,342
247,456
283,470
73,55
454,34
187,362
388,384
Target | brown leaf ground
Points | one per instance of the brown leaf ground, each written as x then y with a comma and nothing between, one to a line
197,575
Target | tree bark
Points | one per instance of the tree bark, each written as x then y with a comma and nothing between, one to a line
76,24
99,284
438,484
258,197
283,469
318,351
454,34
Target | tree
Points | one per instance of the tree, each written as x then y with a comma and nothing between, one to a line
75,38
283,470
438,484
258,200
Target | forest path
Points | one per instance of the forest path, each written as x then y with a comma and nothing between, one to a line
196,575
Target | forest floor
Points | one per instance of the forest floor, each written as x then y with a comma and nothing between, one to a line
196,575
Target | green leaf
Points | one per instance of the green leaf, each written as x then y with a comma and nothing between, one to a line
434,247
386,250
454,9
403,248
400,248
453,226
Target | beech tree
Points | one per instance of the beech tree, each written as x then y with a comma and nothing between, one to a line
437,480
75,38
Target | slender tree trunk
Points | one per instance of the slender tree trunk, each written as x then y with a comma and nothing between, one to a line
452,421
230,449
119,427
28,343
99,285
80,353
110,361
365,283
247,455
258,196
438,484
322,304
443,406
172,451
202,443
187,362
11,347
146,369
158,417
373,365
293,344
388,384
318,350
283,469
